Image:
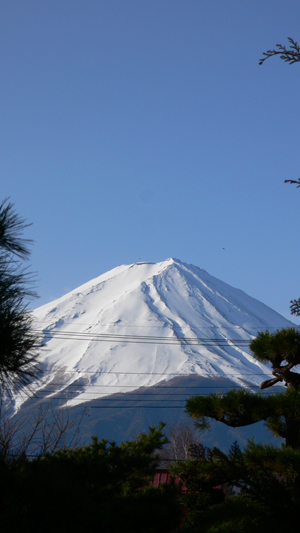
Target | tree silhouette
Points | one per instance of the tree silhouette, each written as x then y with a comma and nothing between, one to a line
18,343
290,55
280,412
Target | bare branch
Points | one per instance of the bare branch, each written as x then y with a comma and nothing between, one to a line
182,437
37,435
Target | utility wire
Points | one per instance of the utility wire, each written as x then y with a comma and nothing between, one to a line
155,398
152,387
132,393
256,328
142,339
115,399
117,335
83,371
138,406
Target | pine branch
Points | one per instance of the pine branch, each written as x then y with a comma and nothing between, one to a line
295,307
291,55
294,182
11,231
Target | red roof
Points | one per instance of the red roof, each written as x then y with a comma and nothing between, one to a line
163,476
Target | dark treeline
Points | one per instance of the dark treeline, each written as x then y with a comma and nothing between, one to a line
101,487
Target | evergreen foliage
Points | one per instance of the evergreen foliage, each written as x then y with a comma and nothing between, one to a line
267,482
266,479
18,342
280,412
289,55
282,350
101,487
295,304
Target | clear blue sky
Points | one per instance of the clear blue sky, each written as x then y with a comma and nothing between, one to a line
145,129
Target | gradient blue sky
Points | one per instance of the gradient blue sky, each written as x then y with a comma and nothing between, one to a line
145,129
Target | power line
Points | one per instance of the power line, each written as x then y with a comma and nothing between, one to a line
114,399
138,339
156,397
153,396
140,403
166,341
132,393
112,324
138,406
154,386
83,371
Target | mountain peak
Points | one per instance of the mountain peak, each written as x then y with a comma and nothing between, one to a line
140,324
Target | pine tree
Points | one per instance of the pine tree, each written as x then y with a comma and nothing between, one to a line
18,342
103,487
266,483
267,477
281,412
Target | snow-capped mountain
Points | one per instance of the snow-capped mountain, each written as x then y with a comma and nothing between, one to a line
143,324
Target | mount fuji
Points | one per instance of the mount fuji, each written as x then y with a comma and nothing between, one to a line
143,330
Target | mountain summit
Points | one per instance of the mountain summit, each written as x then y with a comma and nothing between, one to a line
146,323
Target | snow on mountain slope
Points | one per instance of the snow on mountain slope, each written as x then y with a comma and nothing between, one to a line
144,323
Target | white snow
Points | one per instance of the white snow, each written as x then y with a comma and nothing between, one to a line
170,300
